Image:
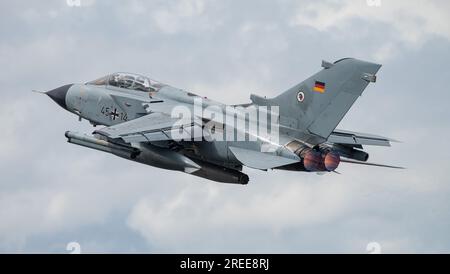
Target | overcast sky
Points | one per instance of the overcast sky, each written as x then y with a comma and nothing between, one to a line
53,193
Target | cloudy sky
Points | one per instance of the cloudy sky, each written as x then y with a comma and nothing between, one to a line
53,193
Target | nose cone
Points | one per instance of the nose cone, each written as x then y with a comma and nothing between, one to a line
59,95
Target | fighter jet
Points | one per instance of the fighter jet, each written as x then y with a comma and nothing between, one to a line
152,123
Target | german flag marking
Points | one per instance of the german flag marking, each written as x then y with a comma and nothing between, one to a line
319,87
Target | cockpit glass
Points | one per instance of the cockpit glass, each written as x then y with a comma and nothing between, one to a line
100,81
129,81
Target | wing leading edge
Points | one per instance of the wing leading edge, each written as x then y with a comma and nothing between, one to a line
153,127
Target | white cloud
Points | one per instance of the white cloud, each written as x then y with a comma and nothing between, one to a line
412,22
300,203
171,17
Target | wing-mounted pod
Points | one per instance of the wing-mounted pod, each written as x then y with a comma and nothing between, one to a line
100,144
220,174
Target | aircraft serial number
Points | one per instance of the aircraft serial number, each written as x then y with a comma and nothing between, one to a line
114,114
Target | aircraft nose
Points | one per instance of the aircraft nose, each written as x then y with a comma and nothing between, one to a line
59,95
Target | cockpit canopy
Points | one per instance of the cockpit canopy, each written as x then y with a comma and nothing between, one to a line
128,81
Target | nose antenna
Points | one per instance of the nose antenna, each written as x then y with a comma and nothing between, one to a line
59,95
38,91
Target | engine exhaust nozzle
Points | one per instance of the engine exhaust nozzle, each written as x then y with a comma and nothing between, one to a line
312,160
331,161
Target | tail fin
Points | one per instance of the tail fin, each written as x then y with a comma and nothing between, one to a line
318,104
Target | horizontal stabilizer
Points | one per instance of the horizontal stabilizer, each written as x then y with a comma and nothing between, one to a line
356,138
260,160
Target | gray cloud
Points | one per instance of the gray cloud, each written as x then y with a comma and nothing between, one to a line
53,193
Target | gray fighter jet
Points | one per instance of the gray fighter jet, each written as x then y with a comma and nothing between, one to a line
155,124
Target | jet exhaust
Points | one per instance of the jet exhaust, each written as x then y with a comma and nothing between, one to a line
316,159
331,161
312,160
